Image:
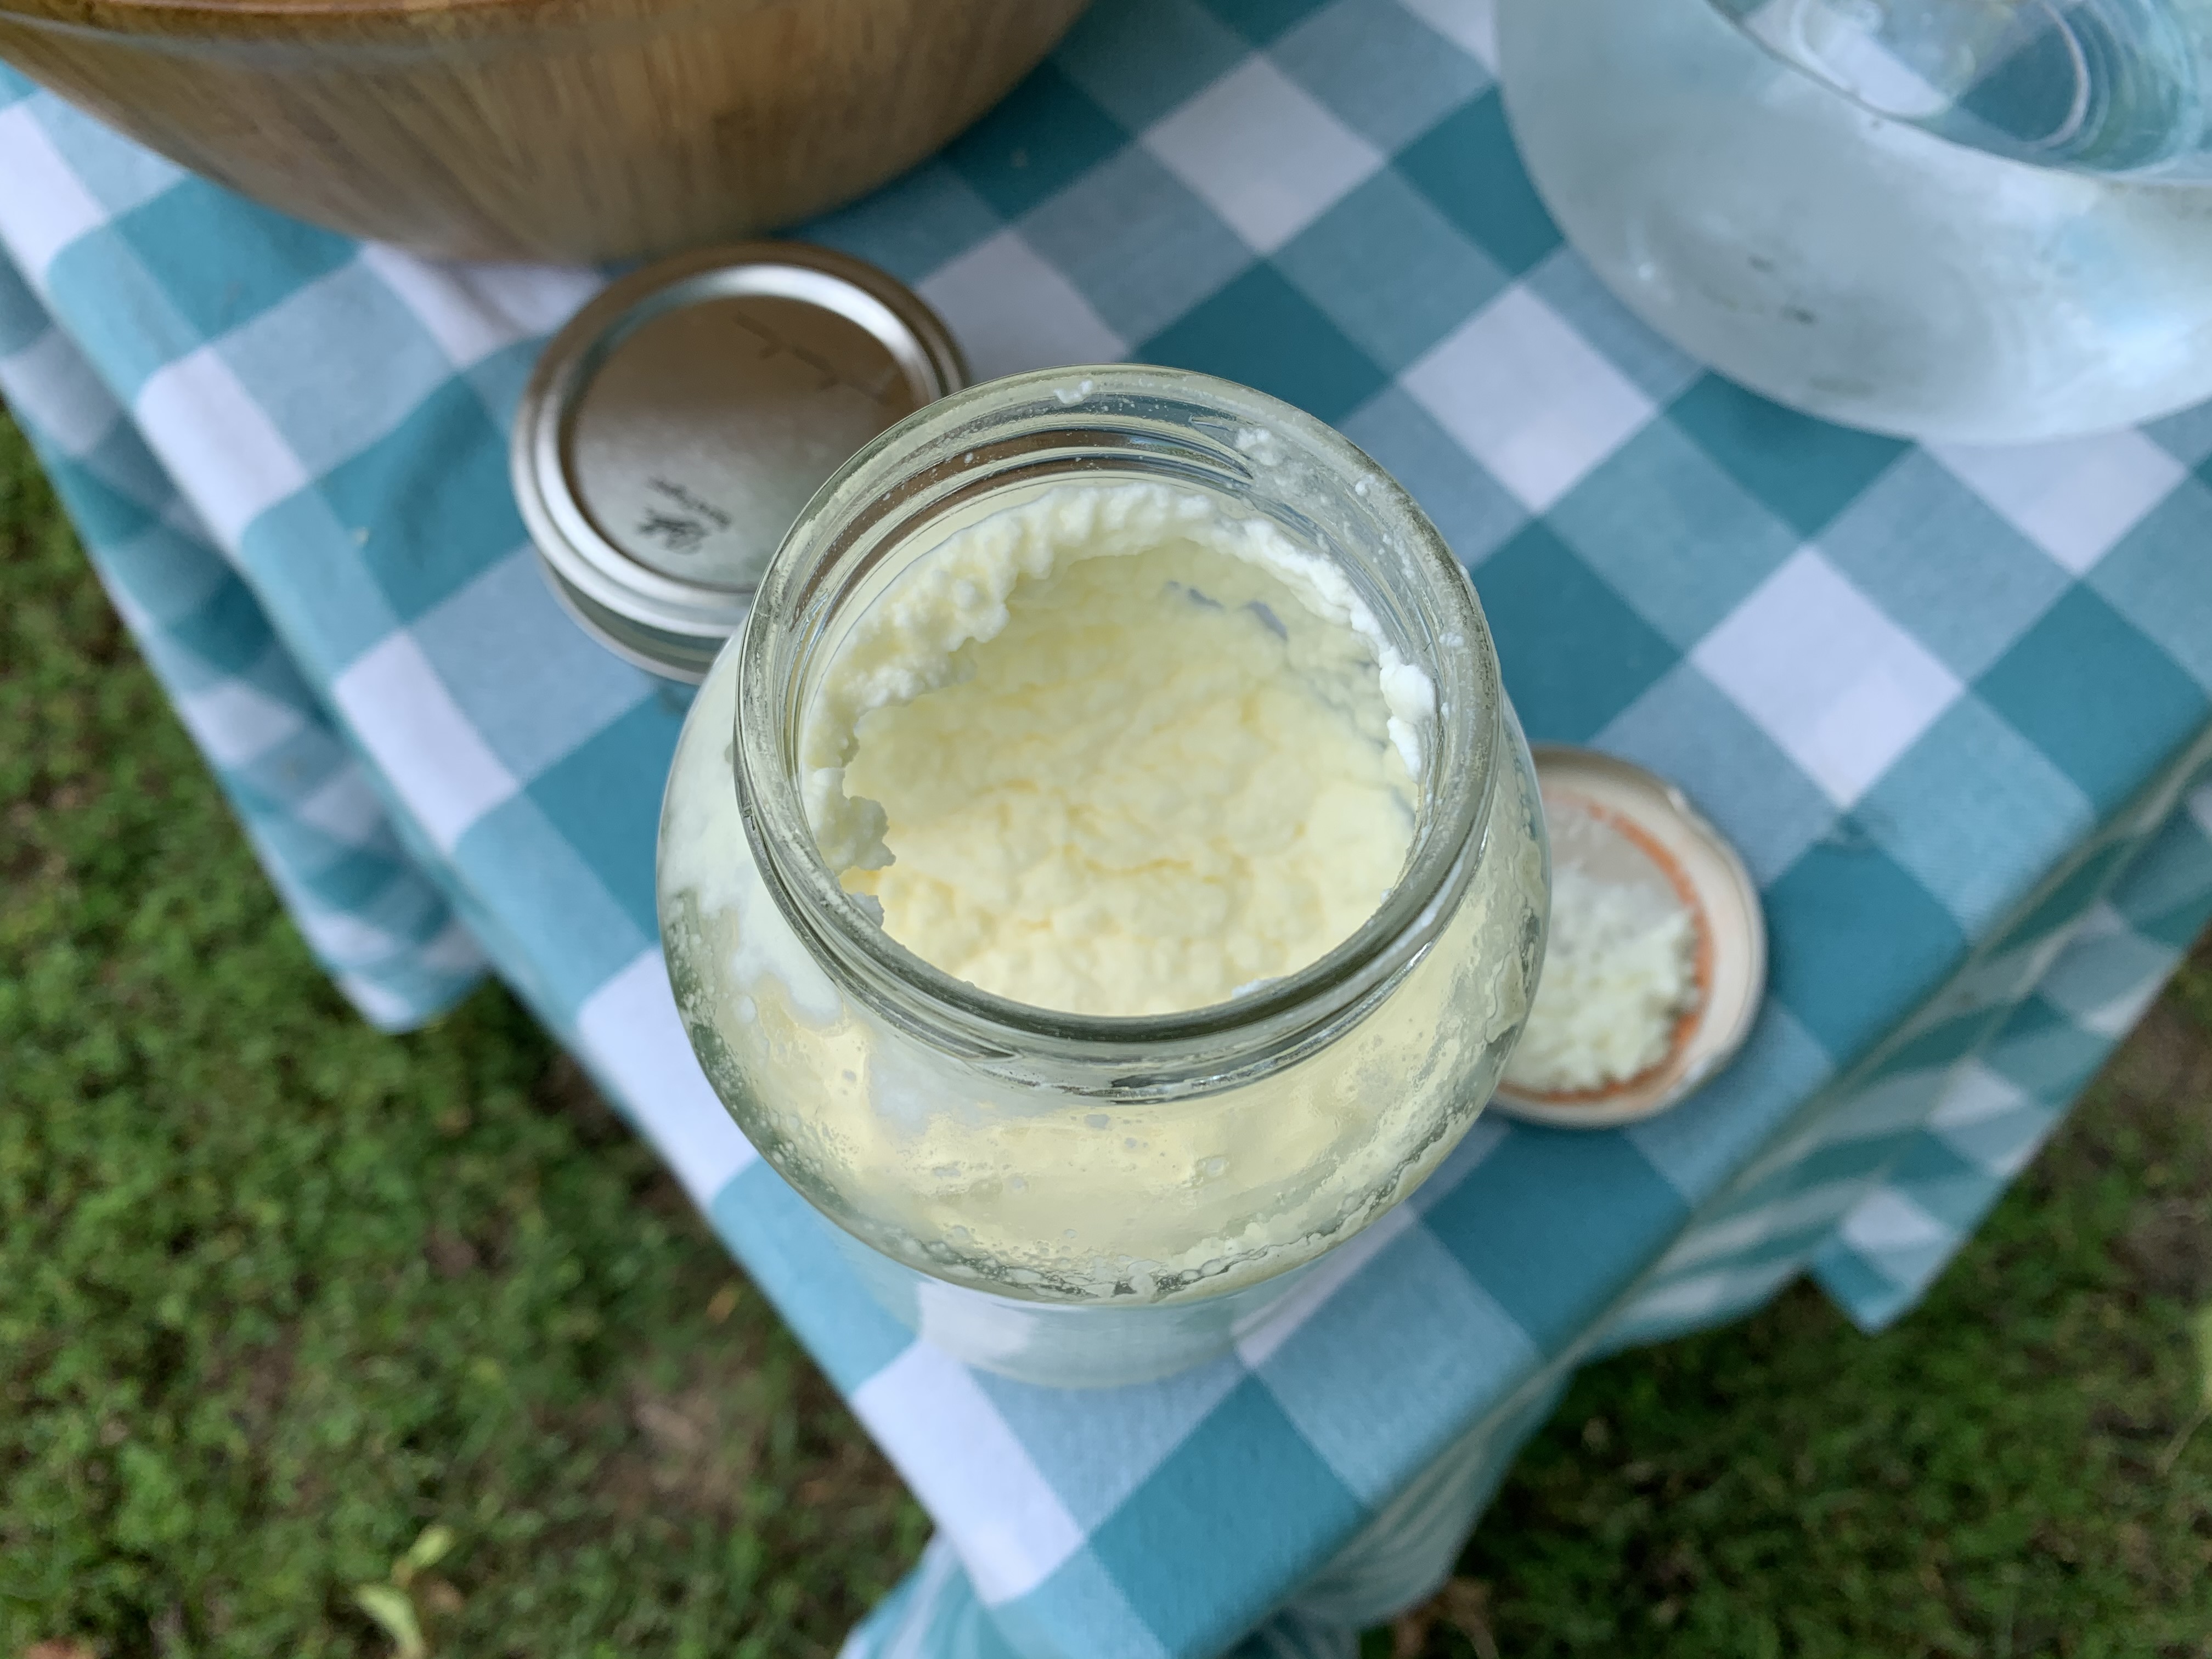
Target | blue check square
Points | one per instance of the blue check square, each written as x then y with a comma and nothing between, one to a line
932,216
1142,248
301,539
103,513
119,314
435,490
1699,1144
1447,1336
168,575
1521,1225
1687,729
2169,880
1391,269
1261,331
1044,134
22,316
2068,898
1931,553
531,682
1474,513
2091,691
2186,434
520,865
1531,587
793,1253
222,259
1467,165
230,633
1288,1501
1564,281
1932,1048
2046,1054
1081,1595
1138,59
367,340
1262,21
1806,470
2159,578
1382,72
1857,942
1976,813
1672,532
603,796
121,174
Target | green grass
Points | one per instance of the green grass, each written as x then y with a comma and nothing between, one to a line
1986,1478
278,1295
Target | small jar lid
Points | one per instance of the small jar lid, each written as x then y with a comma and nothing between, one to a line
678,424
1622,823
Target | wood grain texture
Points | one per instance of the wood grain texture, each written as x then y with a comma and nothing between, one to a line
561,130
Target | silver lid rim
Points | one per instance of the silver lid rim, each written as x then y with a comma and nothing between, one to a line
570,545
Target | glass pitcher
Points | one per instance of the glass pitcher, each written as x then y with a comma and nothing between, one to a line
1964,221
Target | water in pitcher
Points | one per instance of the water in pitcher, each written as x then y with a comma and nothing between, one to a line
1972,221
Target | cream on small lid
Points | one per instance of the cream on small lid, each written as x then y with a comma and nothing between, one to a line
1624,827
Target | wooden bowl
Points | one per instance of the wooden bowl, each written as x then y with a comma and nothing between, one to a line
558,130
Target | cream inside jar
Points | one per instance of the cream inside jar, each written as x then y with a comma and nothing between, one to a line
1106,870
1112,750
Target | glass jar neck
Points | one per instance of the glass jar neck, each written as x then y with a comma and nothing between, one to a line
991,446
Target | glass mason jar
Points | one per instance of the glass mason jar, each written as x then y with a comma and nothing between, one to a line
1069,1197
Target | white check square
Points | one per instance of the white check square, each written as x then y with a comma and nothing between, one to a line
1976,1095
385,1010
2073,499
2199,806
1887,1220
50,384
232,722
212,436
1012,311
2109,975
44,205
453,950
339,937
472,311
1839,686
970,1471
1262,152
631,1030
1527,396
1701,1297
345,807
1470,25
436,761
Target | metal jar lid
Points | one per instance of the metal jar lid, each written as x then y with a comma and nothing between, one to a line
677,425
1620,821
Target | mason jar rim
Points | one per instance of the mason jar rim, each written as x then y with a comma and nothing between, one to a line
1114,421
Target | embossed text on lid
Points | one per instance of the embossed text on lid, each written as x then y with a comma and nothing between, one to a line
676,427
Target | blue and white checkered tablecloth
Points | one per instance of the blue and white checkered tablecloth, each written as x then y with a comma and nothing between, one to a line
1951,704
